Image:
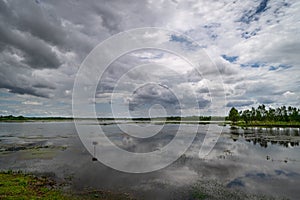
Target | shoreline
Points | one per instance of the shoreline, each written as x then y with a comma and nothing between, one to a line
278,124
159,122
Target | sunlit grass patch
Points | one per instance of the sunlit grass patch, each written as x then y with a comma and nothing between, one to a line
15,185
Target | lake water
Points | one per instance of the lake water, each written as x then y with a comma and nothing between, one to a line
260,161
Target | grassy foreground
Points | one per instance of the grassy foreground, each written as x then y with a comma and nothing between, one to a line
20,186
16,185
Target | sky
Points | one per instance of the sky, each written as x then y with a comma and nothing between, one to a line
253,43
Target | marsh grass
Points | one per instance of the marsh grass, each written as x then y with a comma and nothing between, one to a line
17,185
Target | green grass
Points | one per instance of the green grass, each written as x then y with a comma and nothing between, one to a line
199,195
20,186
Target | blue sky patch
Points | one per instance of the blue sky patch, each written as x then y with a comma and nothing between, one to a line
250,34
180,39
253,15
230,59
262,6
253,65
273,68
288,174
183,40
11,102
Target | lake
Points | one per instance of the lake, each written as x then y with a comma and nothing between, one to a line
253,161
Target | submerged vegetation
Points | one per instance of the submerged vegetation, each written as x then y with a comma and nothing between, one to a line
261,116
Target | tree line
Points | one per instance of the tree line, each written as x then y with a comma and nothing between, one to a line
22,118
261,113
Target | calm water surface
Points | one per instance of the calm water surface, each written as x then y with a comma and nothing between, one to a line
255,160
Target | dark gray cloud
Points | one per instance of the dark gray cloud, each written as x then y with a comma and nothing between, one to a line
14,88
24,28
29,17
34,36
44,85
26,90
110,18
35,52
18,78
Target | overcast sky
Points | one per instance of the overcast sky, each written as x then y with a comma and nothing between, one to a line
254,43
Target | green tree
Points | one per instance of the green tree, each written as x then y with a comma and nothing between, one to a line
234,115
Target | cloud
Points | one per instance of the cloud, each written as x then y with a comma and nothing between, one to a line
266,100
188,44
43,85
254,44
241,103
32,103
25,30
152,94
19,79
288,94
24,90
203,103
34,52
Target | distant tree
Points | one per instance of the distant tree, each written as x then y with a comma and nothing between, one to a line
294,116
246,116
261,113
271,114
258,116
234,115
282,114
253,114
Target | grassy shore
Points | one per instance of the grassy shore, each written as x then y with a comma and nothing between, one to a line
14,185
267,124
17,185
